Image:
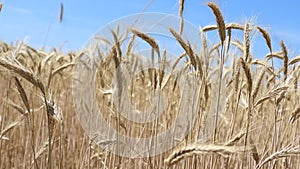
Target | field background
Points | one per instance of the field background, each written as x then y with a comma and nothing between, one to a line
259,128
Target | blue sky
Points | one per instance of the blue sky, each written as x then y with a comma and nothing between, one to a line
38,20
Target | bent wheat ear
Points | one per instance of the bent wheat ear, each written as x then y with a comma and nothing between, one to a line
220,21
61,68
258,83
130,45
295,115
254,152
295,60
178,59
23,72
265,66
9,127
117,44
234,26
42,149
228,26
186,46
197,149
247,43
238,44
266,36
285,59
274,55
61,12
22,94
228,40
114,54
236,138
151,41
181,7
15,106
247,73
286,151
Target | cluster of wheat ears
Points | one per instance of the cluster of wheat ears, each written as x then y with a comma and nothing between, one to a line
257,128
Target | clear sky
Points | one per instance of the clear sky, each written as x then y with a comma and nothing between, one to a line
39,20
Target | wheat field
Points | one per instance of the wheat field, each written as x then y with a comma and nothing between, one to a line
257,127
